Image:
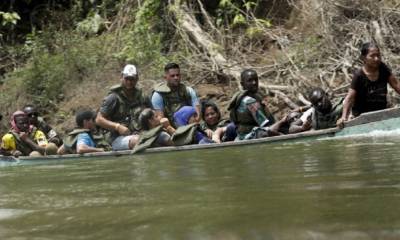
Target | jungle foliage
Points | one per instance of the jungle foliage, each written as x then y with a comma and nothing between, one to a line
50,48
61,41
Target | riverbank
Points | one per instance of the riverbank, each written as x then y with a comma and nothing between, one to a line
293,46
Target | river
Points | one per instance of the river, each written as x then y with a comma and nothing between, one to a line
346,188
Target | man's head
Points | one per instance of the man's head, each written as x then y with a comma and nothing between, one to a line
19,121
172,75
249,80
129,77
32,114
320,100
85,119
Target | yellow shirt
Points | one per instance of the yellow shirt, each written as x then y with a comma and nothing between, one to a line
9,143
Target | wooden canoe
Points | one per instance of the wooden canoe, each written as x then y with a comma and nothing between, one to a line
384,120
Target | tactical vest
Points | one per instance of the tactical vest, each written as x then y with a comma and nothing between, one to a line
173,100
21,146
323,121
128,111
244,120
147,139
72,138
101,141
185,135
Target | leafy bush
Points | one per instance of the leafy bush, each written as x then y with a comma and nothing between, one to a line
70,58
143,43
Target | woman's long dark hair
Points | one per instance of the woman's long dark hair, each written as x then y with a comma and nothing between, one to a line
144,118
205,105
365,47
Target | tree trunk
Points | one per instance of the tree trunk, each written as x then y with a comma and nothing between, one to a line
189,26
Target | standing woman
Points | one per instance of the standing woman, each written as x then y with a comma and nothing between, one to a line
368,88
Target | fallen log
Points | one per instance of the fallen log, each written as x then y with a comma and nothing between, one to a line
189,25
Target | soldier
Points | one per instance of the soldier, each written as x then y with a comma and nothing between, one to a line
120,110
169,96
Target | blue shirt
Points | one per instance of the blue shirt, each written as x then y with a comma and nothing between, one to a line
158,102
85,139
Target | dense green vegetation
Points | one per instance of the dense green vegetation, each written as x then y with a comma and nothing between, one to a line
64,54
61,42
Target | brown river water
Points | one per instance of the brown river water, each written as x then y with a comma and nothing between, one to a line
317,190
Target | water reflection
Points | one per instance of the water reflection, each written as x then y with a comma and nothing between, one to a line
344,189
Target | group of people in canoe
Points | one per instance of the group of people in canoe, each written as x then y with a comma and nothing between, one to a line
174,116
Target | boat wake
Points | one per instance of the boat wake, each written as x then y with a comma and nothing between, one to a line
375,134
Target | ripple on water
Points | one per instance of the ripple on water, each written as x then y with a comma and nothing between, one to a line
12,213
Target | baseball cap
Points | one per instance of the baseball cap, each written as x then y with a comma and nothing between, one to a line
129,71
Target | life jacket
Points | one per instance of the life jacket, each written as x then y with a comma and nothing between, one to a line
173,100
128,111
185,135
244,120
323,121
22,146
222,123
101,141
147,138
72,138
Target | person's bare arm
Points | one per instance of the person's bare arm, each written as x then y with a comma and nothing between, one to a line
217,135
24,137
209,133
299,126
110,125
167,126
347,105
61,150
83,148
394,83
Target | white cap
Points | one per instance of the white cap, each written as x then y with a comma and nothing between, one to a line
129,71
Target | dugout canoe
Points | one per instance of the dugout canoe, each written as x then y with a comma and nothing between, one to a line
384,120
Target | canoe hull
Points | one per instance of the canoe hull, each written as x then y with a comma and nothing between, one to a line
384,120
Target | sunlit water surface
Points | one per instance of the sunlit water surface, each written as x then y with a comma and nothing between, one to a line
331,189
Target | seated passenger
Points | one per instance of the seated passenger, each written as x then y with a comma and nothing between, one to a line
1,150
188,131
248,110
323,114
40,124
120,110
216,128
288,122
84,139
157,131
368,89
170,95
24,139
